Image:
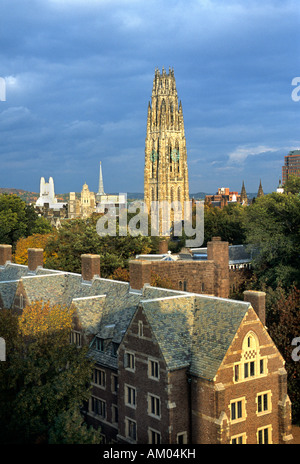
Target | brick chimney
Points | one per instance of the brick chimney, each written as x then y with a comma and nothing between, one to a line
35,258
258,303
218,251
5,254
163,247
139,273
90,266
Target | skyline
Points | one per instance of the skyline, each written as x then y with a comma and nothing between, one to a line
79,74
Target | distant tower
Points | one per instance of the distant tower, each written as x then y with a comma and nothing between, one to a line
244,199
166,170
100,188
260,192
280,189
47,194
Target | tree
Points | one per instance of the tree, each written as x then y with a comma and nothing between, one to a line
69,428
227,223
273,229
292,185
283,321
32,241
44,375
163,282
79,236
18,220
120,274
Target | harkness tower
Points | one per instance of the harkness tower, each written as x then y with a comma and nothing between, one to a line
166,171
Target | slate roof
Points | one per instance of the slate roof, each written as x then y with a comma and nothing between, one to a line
192,330
216,322
10,274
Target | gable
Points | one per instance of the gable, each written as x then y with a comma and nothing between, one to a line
216,323
262,346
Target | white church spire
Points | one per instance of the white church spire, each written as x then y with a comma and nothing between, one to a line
100,188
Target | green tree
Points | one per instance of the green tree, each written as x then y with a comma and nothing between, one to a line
17,219
227,223
69,428
80,236
292,185
273,228
283,321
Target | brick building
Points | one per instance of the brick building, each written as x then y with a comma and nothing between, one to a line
170,366
218,269
291,165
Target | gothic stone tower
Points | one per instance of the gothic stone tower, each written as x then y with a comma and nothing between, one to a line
166,171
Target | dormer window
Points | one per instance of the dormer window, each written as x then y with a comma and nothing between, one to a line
99,344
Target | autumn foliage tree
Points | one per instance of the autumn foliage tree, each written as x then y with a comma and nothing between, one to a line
44,379
33,241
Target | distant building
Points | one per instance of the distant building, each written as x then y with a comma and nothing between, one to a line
224,197
47,195
280,188
48,206
104,200
90,202
291,165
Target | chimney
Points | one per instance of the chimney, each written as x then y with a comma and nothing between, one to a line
5,254
139,273
163,247
258,303
35,258
90,266
218,252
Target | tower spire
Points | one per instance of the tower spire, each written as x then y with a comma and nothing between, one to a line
260,190
100,188
244,199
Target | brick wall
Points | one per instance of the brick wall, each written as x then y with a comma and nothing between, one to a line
5,254
210,276
191,276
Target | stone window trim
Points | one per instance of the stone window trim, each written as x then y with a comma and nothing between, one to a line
240,439
154,436
153,369
181,438
97,407
237,410
129,361
130,396
251,365
140,329
114,414
76,338
99,378
264,435
130,429
154,406
263,403
114,383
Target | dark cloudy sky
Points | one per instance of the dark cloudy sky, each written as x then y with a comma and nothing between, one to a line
79,74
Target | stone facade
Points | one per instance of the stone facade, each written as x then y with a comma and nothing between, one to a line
166,170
